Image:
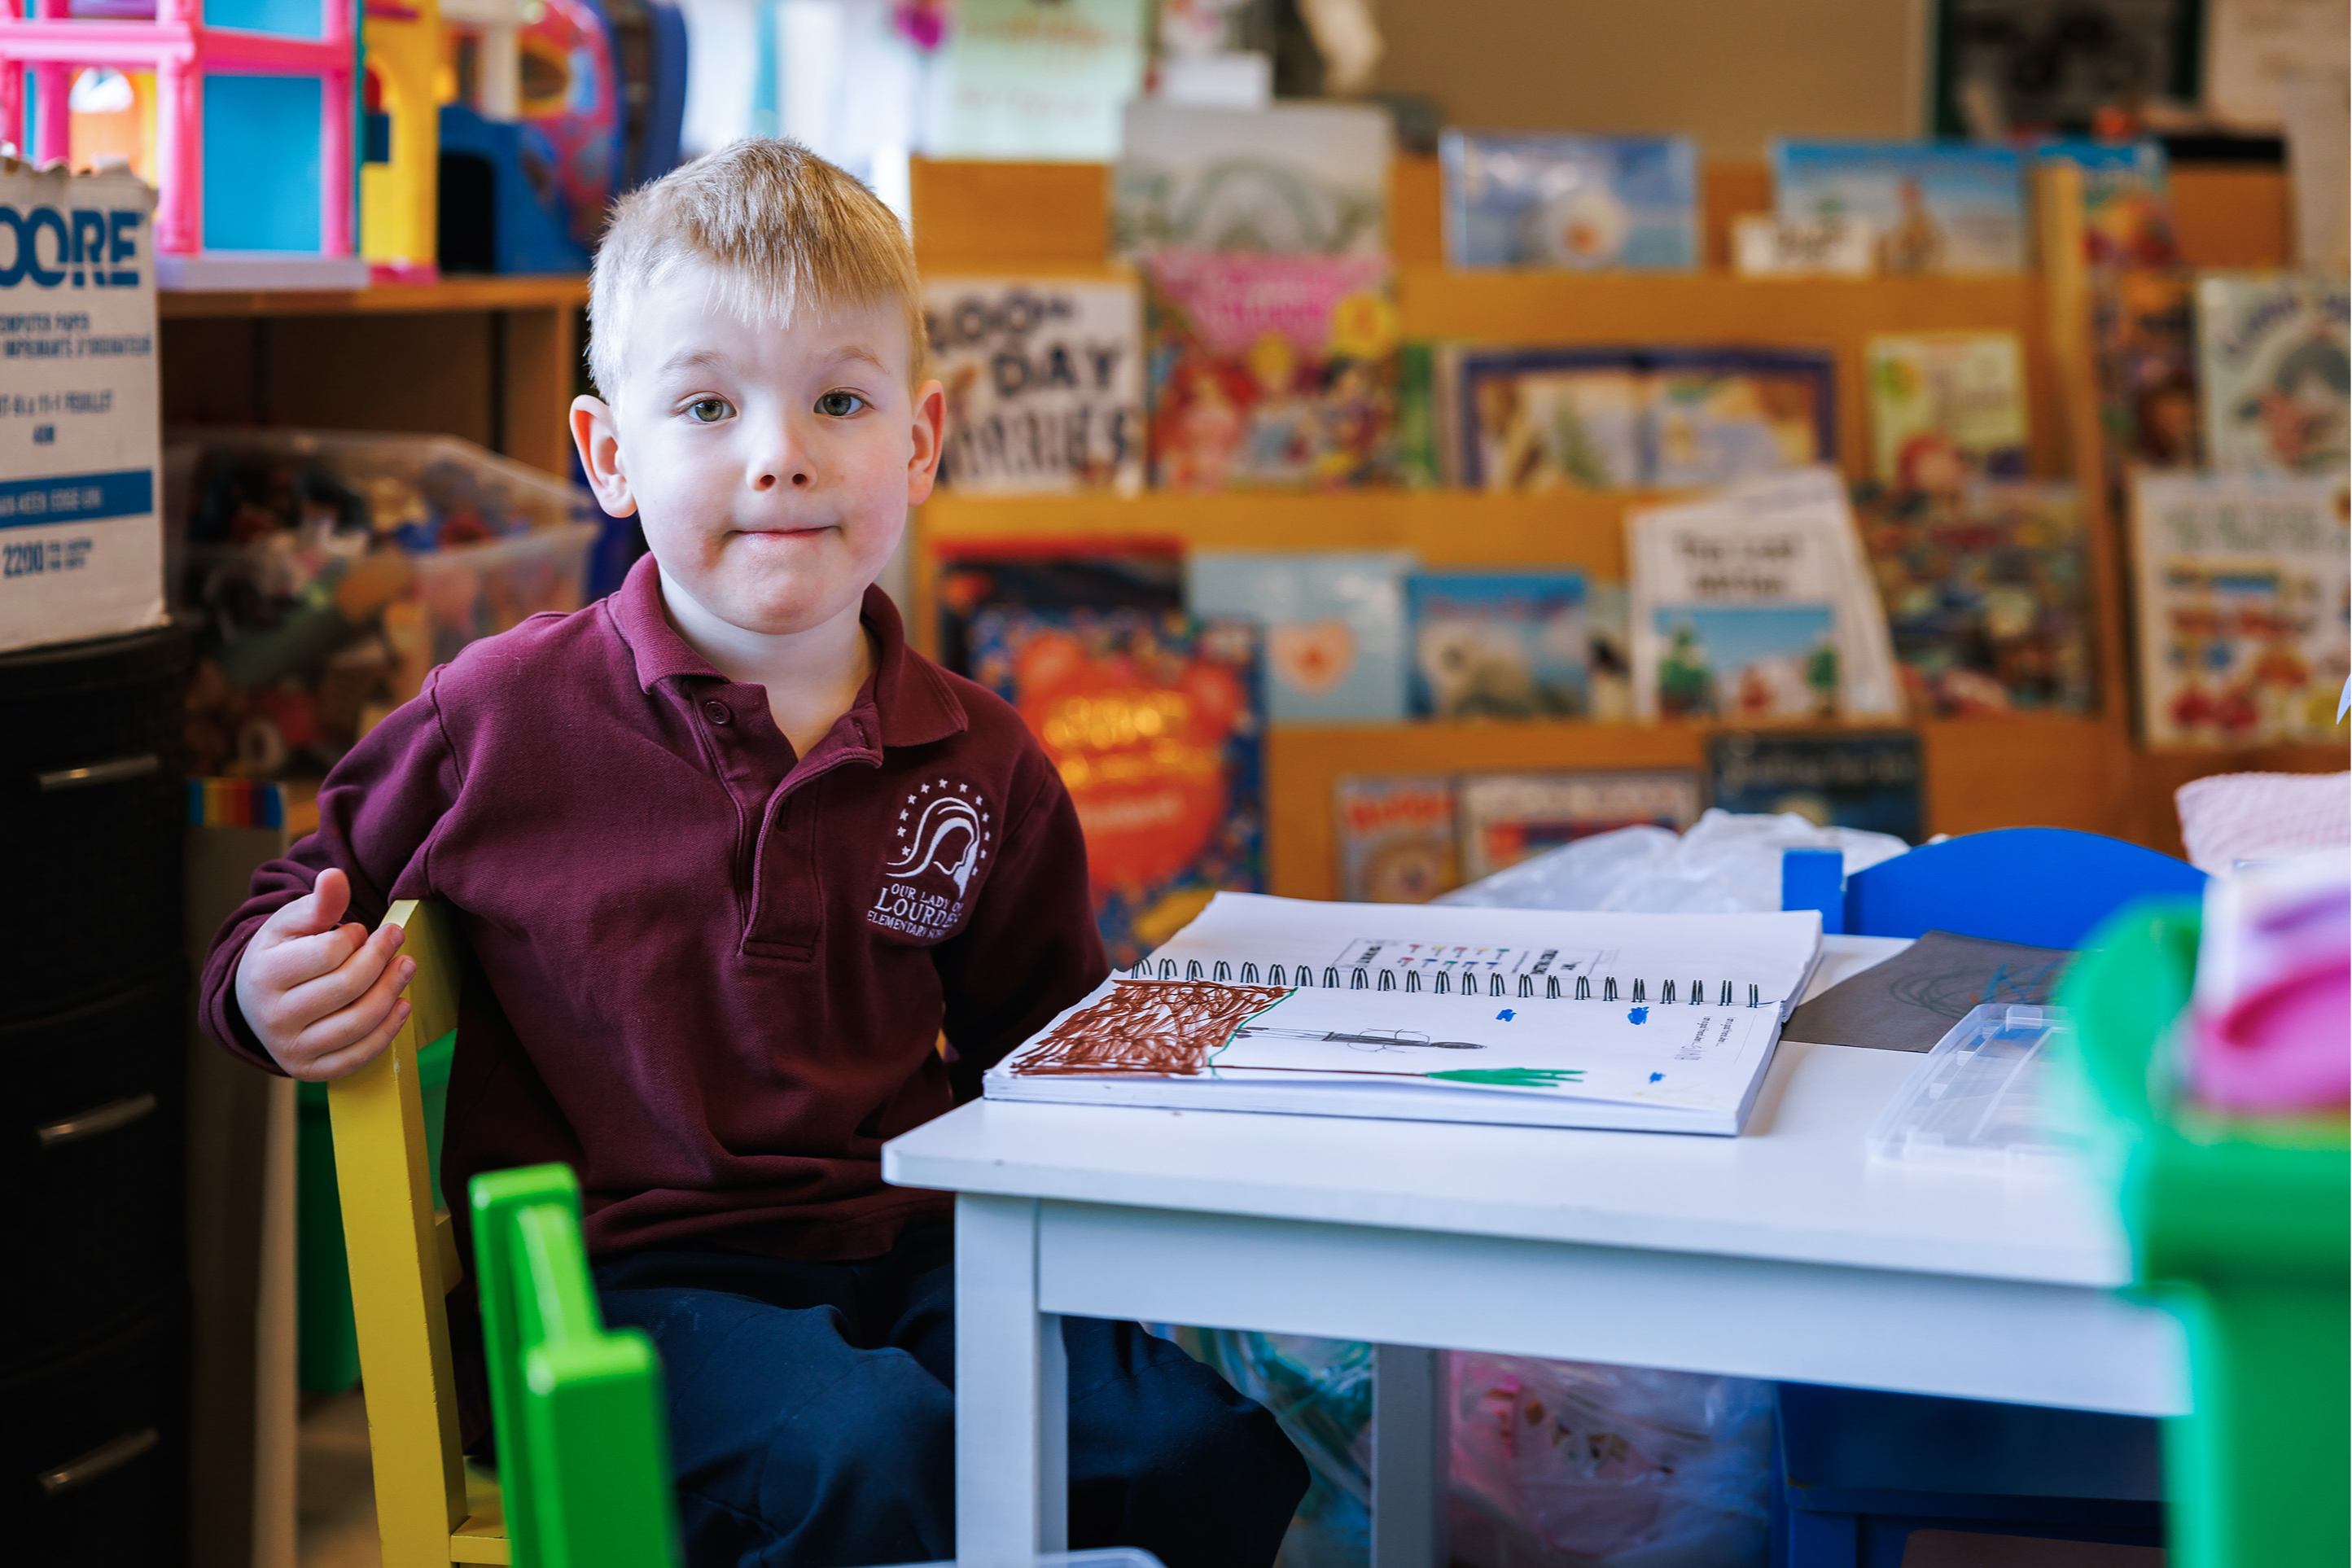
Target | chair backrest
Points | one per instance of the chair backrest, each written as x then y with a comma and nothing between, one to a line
582,1443
403,1262
2044,887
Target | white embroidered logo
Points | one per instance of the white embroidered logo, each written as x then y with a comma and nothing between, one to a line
943,837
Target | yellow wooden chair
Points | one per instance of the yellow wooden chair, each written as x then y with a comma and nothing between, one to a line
432,1508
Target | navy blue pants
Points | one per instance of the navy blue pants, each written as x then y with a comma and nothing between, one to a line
811,1412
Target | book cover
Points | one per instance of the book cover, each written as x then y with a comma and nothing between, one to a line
1049,574
1755,599
1334,627
1946,408
1506,817
1988,596
1289,177
1045,384
1395,837
2274,373
1721,415
1533,420
2127,201
1584,203
1749,662
1936,206
1271,372
2242,590
2144,332
1611,418
1498,645
1867,780
1156,723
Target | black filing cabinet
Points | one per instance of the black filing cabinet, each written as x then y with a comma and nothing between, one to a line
94,1359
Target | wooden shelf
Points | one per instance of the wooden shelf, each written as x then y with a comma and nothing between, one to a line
451,294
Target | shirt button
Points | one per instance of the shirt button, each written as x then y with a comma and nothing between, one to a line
715,712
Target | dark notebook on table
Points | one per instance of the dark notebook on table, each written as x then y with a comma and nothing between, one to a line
1912,1000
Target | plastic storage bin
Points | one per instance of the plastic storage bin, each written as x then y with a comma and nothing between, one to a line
2241,1228
332,571
328,1357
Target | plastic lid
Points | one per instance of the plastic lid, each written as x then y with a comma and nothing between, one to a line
1980,1101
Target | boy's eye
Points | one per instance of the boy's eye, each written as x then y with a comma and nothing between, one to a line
840,404
707,410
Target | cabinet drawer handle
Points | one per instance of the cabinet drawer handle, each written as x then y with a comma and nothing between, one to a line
103,1460
97,1119
116,771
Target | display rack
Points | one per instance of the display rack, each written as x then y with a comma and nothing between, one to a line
2085,772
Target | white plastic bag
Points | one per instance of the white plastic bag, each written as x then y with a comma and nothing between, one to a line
1571,1464
1726,864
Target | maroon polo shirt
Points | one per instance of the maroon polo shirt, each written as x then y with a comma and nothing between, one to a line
710,973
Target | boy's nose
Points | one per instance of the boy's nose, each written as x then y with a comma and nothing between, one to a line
767,481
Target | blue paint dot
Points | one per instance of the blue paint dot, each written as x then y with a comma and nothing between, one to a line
1638,1016
1657,1077
1504,1015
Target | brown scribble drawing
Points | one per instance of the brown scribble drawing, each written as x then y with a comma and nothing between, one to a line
1151,1026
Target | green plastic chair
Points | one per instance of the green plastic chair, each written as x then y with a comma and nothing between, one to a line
583,1454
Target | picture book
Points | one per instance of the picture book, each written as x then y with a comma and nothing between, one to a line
1420,448
1834,245
1719,414
1748,662
1534,420
1045,384
1334,625
1270,372
1867,780
1988,596
2242,583
1049,574
1936,206
1755,601
1613,418
1946,408
2274,373
1506,817
1658,1022
2144,333
1289,177
1395,837
2127,201
1498,645
1156,723
1609,689
1584,203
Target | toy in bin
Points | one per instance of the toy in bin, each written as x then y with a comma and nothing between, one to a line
332,572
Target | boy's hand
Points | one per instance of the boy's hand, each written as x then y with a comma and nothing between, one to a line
323,998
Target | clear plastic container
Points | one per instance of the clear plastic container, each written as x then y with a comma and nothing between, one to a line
1982,1099
334,569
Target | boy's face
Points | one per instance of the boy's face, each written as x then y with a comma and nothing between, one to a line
772,466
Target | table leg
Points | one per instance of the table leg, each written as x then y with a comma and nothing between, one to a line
1012,1422
1409,1454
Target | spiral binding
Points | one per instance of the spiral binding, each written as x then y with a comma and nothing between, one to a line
1359,978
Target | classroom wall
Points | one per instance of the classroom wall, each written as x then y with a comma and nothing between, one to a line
1729,72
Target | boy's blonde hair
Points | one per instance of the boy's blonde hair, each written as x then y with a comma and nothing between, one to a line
785,231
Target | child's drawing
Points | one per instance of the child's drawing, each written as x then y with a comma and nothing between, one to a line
1155,1026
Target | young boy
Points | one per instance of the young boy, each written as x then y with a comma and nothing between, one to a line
730,856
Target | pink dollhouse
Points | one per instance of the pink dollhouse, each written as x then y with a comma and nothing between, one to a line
183,51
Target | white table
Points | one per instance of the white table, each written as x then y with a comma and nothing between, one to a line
1784,1253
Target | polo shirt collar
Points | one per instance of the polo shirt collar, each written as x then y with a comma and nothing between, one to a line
912,697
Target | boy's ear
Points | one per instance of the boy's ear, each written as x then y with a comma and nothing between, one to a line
599,440
930,422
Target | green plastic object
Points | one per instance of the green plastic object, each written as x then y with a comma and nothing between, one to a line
584,1452
2244,1229
327,1357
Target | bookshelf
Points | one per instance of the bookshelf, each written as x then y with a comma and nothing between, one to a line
2086,772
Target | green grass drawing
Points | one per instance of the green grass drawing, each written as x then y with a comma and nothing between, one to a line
1514,1077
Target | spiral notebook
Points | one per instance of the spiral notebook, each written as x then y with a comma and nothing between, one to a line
1653,1023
